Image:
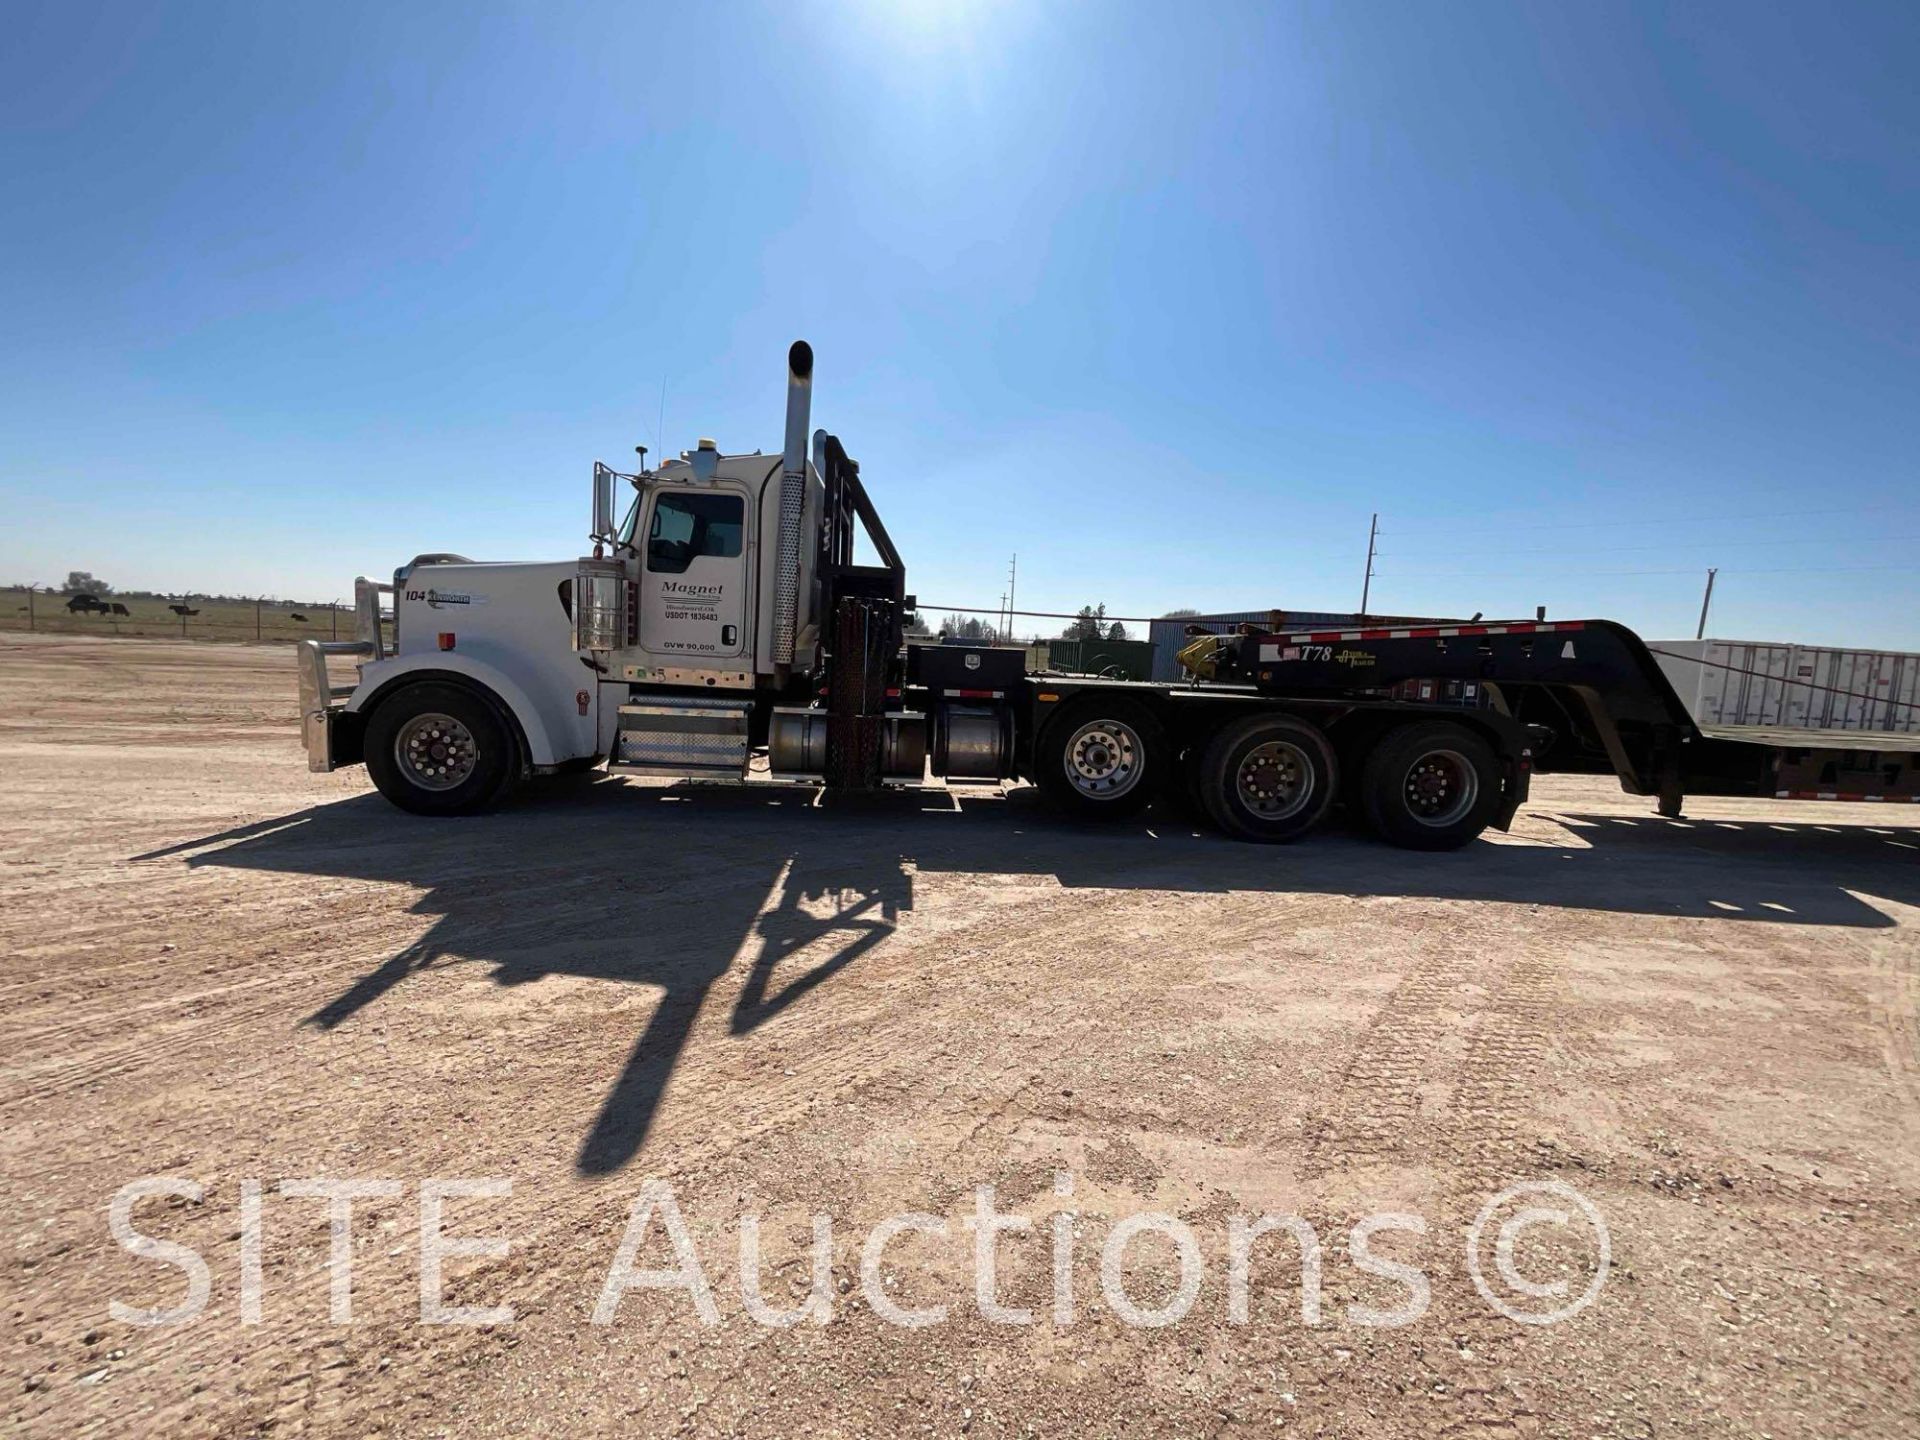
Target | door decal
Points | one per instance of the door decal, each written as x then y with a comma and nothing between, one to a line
694,585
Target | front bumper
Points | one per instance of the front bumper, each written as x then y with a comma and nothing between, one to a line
333,737
331,732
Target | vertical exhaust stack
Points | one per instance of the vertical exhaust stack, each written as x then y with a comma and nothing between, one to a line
793,499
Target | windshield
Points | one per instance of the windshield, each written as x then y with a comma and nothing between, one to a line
624,535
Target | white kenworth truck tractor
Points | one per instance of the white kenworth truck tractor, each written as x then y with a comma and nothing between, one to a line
724,620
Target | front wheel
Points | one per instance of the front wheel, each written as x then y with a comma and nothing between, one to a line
1268,778
1102,759
437,749
1430,787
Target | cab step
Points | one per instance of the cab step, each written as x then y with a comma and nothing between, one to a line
701,736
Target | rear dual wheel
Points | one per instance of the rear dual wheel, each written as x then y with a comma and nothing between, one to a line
1430,786
1102,758
1271,777
1268,778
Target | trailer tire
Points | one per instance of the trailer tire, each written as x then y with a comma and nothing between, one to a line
1268,778
1102,759
1431,786
439,749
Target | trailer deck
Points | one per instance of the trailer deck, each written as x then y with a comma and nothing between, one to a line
1786,737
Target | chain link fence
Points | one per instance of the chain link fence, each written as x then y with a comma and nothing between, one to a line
262,621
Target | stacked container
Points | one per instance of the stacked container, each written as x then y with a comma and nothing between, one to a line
1793,687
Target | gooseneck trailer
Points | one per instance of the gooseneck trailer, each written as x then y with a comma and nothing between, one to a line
724,619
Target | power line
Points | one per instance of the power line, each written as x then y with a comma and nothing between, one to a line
925,605
1701,545
1521,574
1695,570
1721,519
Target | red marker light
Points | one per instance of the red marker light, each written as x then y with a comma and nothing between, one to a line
446,639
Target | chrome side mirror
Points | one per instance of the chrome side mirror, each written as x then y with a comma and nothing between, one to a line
603,479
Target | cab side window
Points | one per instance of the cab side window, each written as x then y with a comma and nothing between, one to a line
687,524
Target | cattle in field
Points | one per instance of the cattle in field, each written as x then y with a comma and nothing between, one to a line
299,618
120,609
182,611
86,605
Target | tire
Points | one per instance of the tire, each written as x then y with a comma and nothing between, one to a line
1431,786
1268,778
1102,759
435,727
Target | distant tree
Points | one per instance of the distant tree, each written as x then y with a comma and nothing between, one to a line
1118,632
81,582
973,630
1182,613
918,625
1089,624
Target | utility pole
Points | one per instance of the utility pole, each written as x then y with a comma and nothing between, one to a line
30,625
1700,631
1366,585
1013,574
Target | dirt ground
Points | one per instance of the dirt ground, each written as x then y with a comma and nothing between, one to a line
222,969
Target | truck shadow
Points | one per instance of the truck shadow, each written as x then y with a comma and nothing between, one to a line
672,886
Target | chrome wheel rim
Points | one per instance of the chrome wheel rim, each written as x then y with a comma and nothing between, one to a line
1105,759
435,752
1441,787
1275,780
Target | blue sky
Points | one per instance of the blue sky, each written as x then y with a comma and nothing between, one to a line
1168,299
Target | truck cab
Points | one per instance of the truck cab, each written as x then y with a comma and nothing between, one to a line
695,630
695,541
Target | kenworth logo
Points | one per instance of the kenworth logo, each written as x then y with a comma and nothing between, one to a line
438,599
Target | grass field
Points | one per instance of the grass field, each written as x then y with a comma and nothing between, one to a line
215,620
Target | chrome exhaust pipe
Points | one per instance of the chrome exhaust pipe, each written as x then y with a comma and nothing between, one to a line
793,499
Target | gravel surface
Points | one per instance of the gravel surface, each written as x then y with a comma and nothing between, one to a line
222,969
